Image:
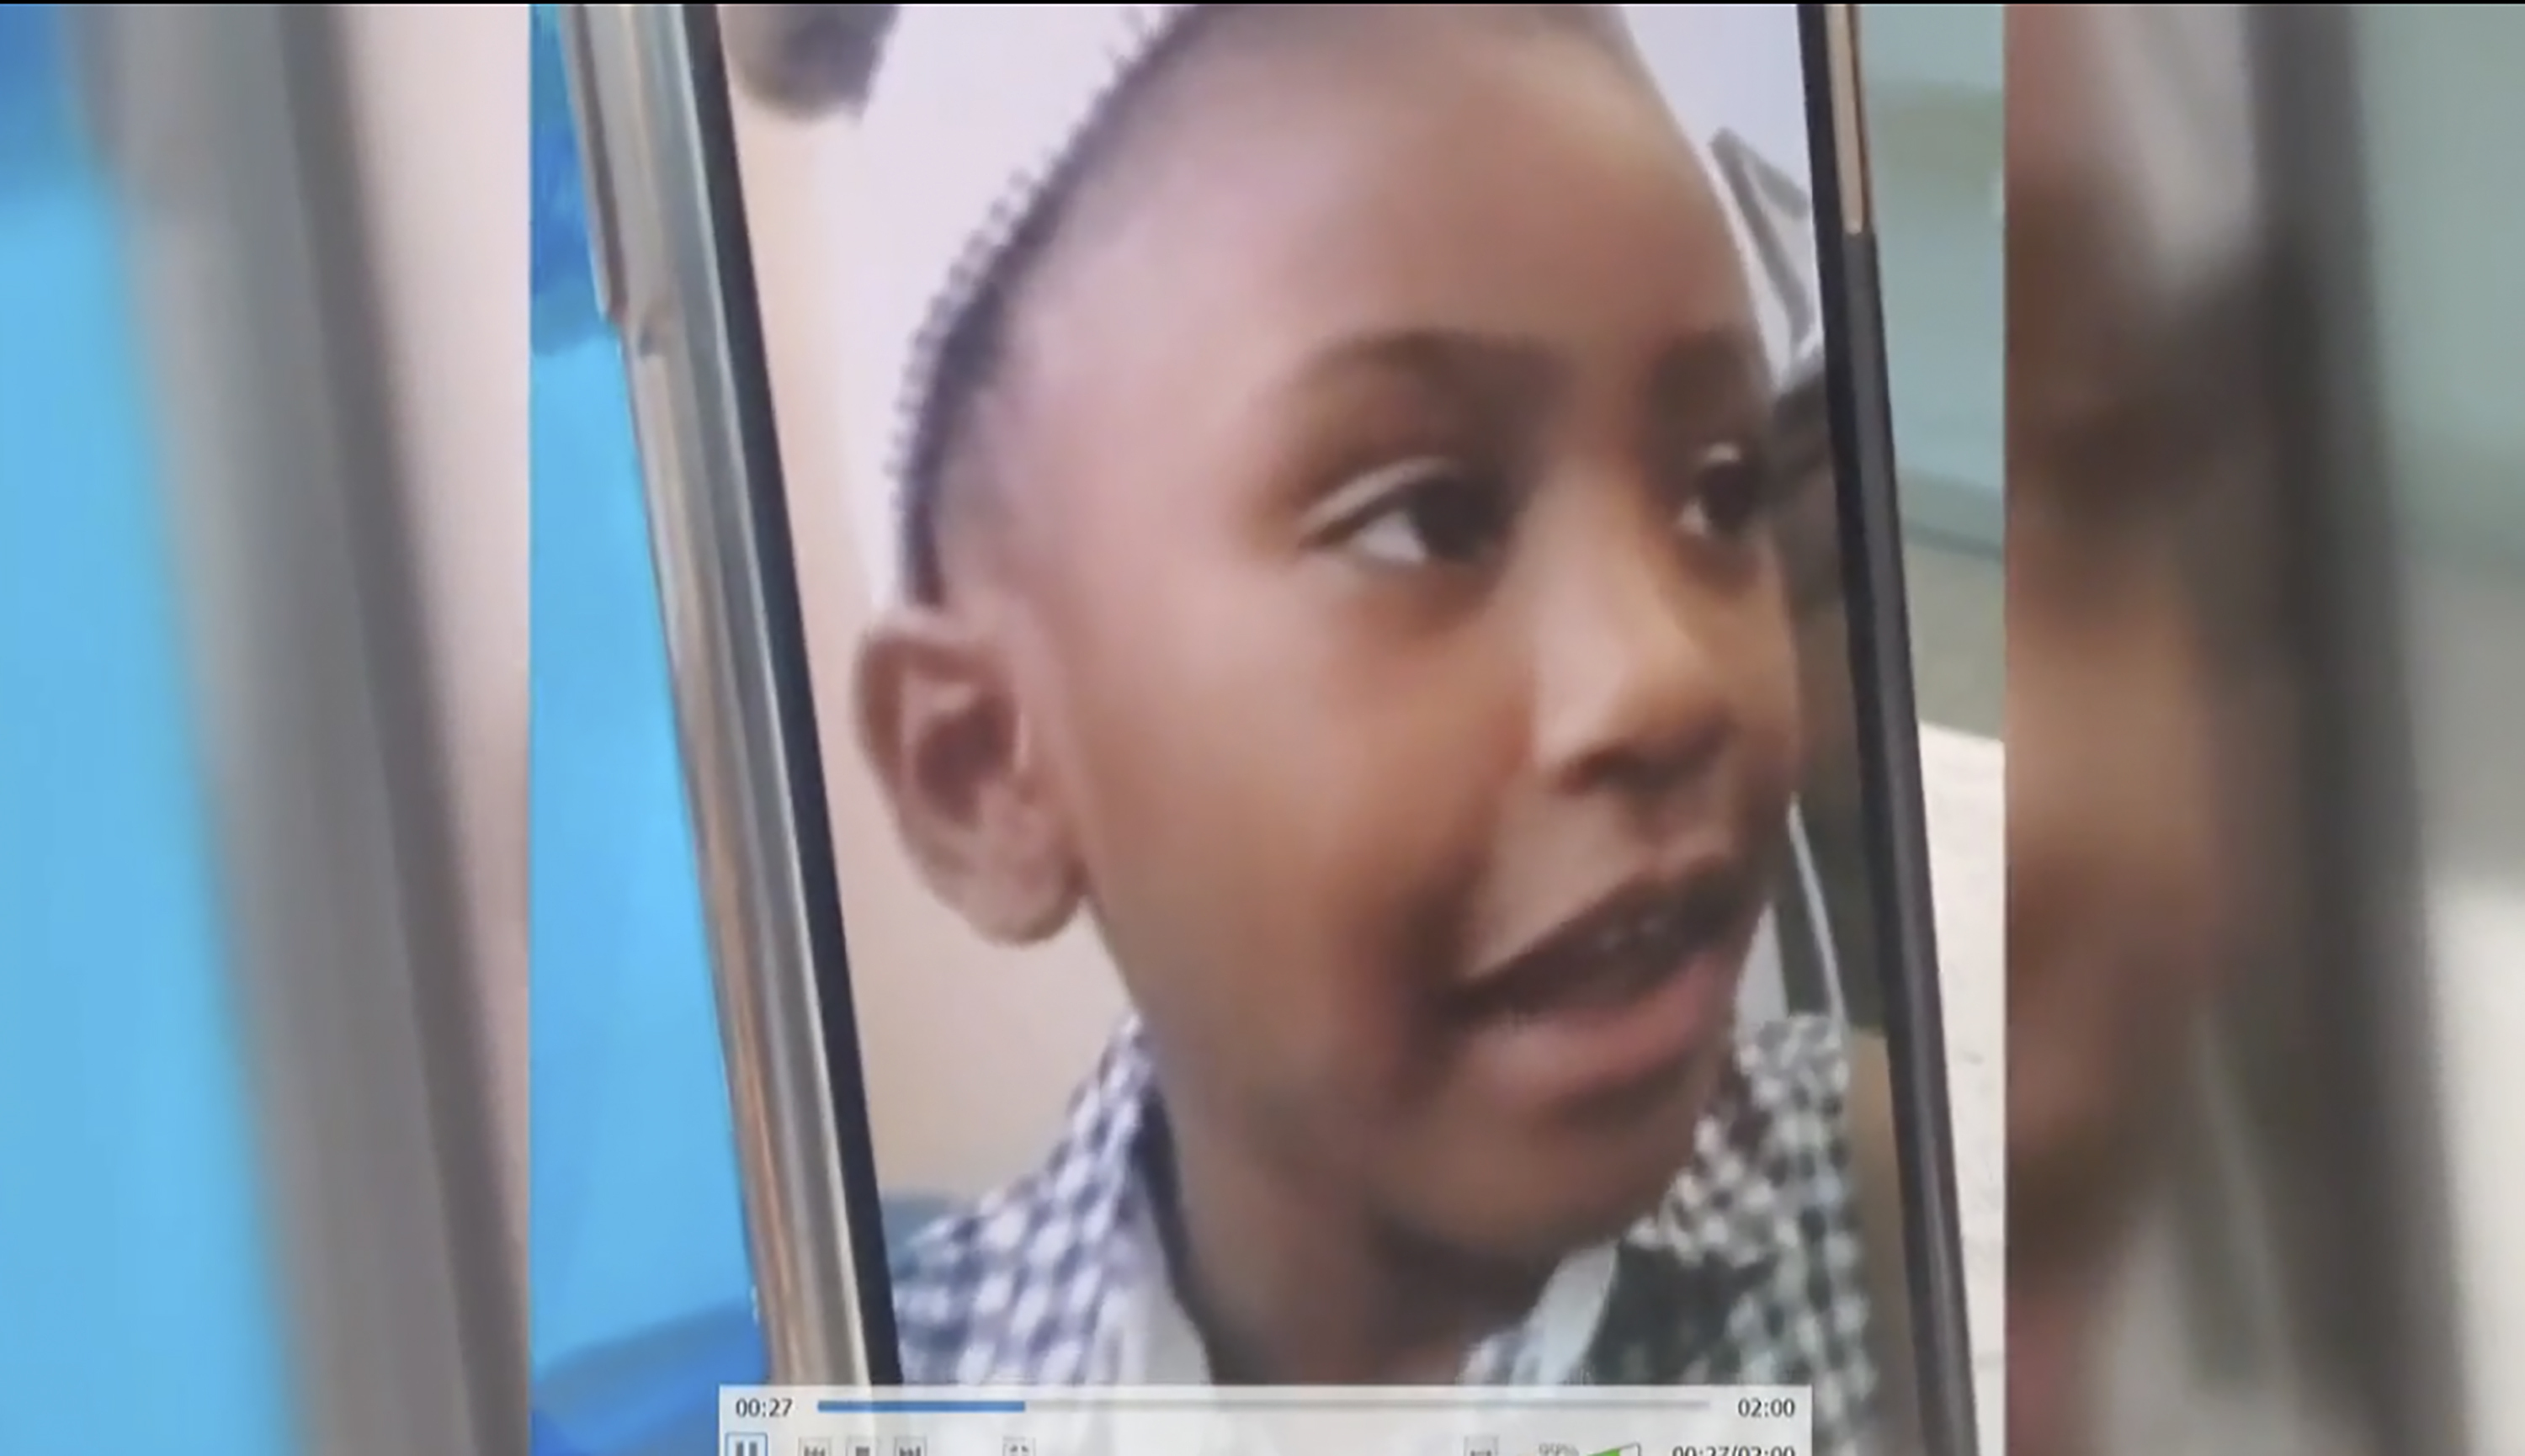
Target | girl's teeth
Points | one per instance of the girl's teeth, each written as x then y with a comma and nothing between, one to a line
1632,936
1615,940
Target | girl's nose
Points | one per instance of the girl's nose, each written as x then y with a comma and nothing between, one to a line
1629,693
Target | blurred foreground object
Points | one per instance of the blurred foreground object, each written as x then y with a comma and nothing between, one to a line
2227,1218
804,60
224,164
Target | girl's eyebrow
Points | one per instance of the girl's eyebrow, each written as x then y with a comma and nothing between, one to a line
1459,360
1722,365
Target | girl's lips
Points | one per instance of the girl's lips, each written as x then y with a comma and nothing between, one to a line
1621,944
1595,1053
1623,996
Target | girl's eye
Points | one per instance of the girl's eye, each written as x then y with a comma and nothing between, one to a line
1420,513
1730,486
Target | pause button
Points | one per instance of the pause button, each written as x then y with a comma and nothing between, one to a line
747,1443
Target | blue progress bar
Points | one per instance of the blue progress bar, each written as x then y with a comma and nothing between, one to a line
920,1407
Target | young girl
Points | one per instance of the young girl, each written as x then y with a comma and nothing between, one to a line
2147,703
1324,449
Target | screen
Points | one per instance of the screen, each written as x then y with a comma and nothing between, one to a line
1320,536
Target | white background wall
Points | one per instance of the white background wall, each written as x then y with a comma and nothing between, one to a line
933,1001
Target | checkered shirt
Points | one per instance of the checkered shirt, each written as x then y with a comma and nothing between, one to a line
1749,1271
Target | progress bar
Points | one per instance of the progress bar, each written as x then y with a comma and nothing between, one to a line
920,1407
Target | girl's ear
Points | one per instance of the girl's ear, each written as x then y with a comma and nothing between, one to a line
941,723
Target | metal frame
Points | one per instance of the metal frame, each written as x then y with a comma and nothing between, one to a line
668,235
232,128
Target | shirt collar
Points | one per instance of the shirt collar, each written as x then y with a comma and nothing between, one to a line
1726,1219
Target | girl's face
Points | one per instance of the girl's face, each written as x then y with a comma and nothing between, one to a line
1401,626
2137,730
2119,716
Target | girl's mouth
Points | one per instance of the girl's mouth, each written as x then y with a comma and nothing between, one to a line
1621,998
1621,948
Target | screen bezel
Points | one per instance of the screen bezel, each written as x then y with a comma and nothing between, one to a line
1871,544
1859,420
